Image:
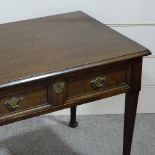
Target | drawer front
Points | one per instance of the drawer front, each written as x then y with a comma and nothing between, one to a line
39,97
89,84
96,82
22,99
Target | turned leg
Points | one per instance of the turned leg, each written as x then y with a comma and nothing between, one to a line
131,102
73,123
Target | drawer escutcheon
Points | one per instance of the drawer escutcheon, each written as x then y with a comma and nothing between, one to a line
58,87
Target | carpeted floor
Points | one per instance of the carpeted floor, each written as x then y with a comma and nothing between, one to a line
95,135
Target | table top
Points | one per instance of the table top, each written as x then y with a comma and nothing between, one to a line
44,46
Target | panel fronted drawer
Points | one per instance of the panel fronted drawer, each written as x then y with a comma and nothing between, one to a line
95,82
23,98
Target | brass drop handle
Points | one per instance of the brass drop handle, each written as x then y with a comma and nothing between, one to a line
98,82
14,102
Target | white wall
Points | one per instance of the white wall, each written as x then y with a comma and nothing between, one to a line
133,18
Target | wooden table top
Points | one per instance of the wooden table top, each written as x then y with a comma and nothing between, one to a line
54,44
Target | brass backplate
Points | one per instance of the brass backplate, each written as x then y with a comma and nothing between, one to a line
14,102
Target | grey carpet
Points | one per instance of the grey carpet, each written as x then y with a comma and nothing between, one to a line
95,135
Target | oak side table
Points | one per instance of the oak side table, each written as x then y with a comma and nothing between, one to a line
61,61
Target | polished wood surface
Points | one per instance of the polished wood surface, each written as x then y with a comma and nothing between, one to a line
33,96
113,77
51,63
56,43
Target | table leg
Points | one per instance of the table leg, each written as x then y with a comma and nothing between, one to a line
73,123
131,102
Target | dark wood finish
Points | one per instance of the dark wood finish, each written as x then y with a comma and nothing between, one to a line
53,44
113,77
131,102
73,123
30,99
63,61
34,94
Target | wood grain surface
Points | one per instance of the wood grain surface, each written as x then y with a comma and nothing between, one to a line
45,45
